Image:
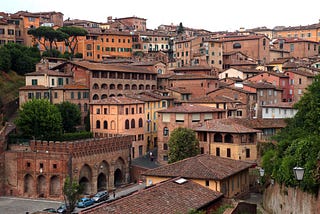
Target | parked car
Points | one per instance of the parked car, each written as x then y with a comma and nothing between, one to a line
101,196
85,202
50,210
62,209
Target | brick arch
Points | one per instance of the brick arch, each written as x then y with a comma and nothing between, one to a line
54,186
119,172
28,184
41,186
103,176
85,178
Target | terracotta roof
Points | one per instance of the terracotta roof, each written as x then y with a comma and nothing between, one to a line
191,76
49,73
75,86
232,88
261,123
190,108
261,85
223,126
193,68
117,101
241,38
278,61
302,73
301,27
211,100
294,40
112,67
33,87
247,70
205,166
168,197
143,97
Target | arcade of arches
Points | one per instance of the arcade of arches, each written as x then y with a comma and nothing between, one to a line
94,178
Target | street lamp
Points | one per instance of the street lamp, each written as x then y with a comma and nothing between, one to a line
298,173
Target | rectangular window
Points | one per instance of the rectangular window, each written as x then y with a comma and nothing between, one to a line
140,150
291,47
54,166
30,95
55,95
52,82
79,95
195,117
38,95
105,111
28,164
98,111
179,118
207,183
208,116
300,81
165,158
166,117
299,91
228,152
46,95
60,81
247,153
41,165
34,82
72,95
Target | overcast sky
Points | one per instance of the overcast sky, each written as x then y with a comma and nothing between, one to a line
202,14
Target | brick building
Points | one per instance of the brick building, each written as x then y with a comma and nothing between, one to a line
254,46
38,170
120,115
298,48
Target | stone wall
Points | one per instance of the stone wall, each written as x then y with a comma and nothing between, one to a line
281,199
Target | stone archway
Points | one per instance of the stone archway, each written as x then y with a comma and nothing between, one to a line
41,186
28,184
54,186
85,178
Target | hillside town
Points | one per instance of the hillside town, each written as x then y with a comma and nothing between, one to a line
135,86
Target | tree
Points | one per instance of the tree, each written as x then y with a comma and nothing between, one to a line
71,192
180,28
5,59
21,59
71,116
71,40
183,143
40,119
298,144
46,34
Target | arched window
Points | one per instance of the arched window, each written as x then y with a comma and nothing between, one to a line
95,97
133,124
236,45
134,87
105,124
104,96
119,95
140,123
95,86
228,138
217,137
147,87
165,131
141,87
119,87
153,87
104,86
127,87
113,125
112,95
112,86
98,124
126,124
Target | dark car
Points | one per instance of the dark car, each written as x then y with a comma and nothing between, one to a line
50,210
101,196
85,202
